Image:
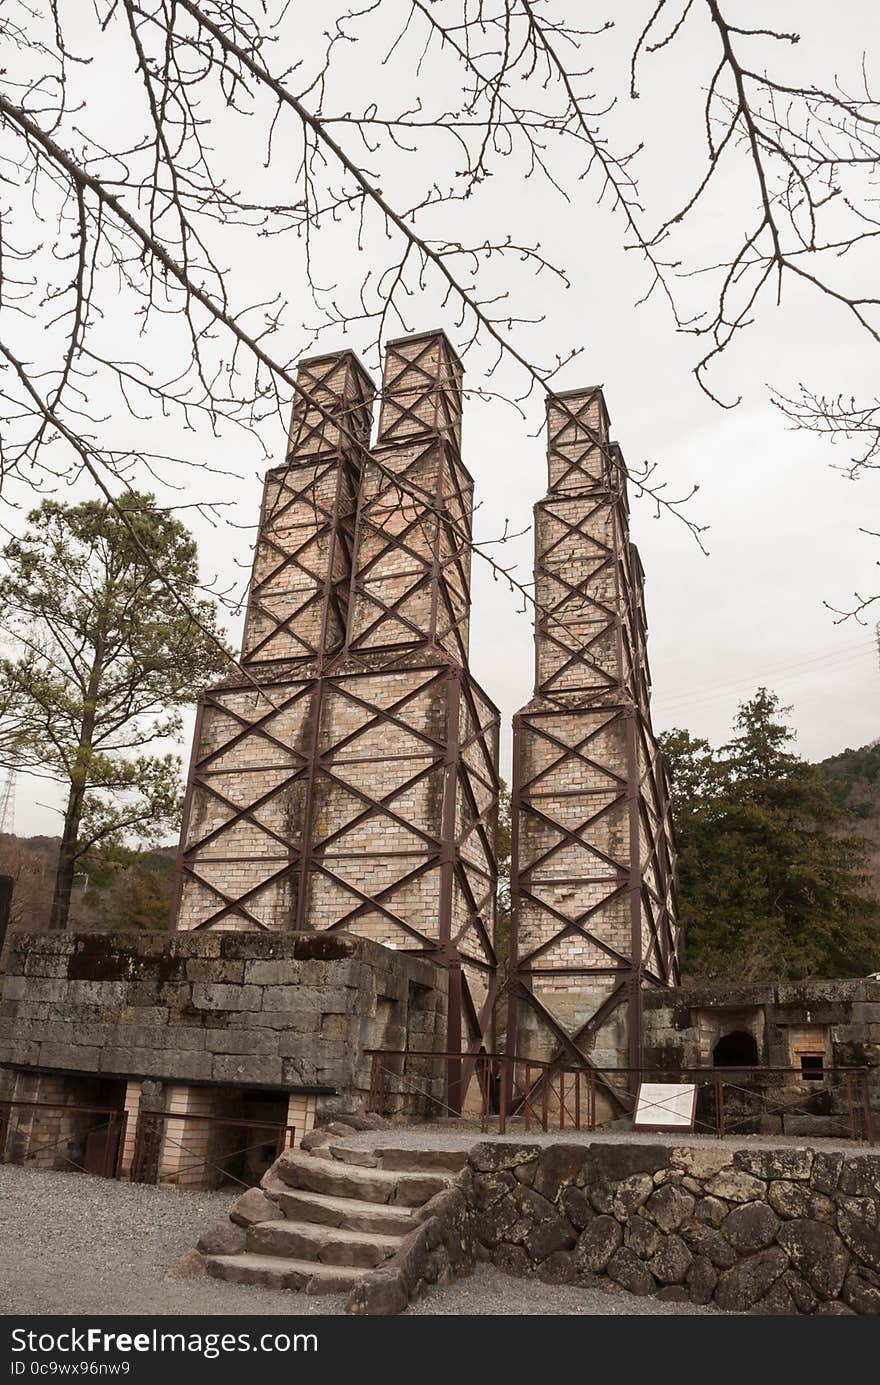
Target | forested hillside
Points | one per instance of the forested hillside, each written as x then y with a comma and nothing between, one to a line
131,889
856,785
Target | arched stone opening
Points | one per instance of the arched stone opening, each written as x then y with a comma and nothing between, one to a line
738,1049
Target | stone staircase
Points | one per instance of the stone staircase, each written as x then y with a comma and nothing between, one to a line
323,1219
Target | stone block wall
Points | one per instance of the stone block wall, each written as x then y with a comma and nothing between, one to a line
289,1012
761,1230
836,1020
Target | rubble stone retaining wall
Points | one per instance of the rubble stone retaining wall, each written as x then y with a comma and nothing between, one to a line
762,1230
441,1248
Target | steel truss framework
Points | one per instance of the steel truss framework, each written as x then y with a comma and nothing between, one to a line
593,869
411,574
300,587
352,783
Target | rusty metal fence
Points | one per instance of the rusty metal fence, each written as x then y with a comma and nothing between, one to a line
99,1132
499,1089
154,1142
102,1156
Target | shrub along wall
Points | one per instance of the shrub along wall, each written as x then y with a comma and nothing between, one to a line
765,1230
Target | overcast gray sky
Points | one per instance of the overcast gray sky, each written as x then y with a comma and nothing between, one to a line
783,524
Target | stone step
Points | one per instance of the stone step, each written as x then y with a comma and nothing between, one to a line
401,1160
274,1273
330,1245
354,1154
349,1180
415,1160
302,1206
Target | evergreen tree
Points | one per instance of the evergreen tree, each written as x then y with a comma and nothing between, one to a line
773,879
111,640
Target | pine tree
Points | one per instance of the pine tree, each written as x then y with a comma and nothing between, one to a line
112,640
773,878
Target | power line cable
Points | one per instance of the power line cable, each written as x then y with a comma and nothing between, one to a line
820,663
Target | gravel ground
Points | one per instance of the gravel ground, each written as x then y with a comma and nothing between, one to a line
460,1134
487,1290
77,1244
74,1244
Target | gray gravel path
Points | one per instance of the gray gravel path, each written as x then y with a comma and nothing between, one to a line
73,1244
488,1291
77,1244
454,1133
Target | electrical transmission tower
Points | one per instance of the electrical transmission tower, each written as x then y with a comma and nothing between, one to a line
7,802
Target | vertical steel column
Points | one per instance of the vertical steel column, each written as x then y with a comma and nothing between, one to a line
307,839
634,982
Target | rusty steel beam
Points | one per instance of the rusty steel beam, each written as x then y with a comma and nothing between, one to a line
593,872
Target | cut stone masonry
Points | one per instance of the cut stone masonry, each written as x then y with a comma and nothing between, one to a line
189,1022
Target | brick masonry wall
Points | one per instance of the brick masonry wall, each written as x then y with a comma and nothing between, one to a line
132,1110
762,1230
363,873
41,1139
593,874
400,538
48,1136
298,596
187,1145
355,786
233,1009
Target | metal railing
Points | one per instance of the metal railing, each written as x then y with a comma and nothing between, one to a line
115,1127
152,1143
729,1100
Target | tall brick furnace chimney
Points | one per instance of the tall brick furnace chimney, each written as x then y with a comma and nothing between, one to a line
593,871
349,779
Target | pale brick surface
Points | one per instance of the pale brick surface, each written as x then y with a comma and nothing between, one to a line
593,875
356,785
298,599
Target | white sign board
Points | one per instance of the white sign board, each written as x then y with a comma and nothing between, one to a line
665,1106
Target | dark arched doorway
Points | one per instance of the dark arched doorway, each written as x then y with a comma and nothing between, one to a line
736,1050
